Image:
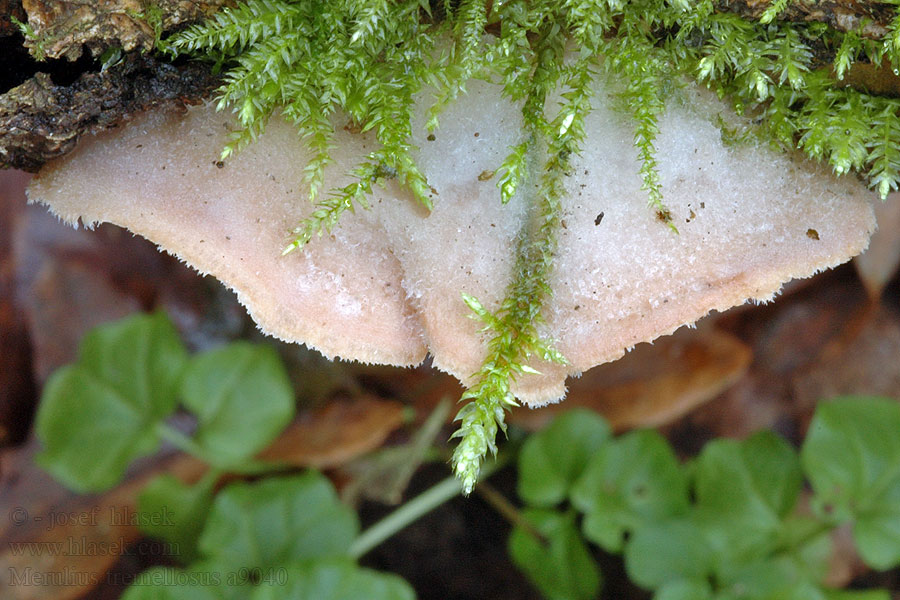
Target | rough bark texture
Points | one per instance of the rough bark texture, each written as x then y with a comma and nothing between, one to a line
62,28
871,19
40,120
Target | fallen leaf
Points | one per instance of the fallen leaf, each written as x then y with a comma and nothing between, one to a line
787,338
864,363
384,475
66,302
340,431
654,384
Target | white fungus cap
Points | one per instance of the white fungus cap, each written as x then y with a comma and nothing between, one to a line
386,285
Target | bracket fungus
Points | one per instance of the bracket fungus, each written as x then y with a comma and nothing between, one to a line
385,286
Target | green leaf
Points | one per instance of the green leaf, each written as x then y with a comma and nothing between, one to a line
552,460
203,581
331,579
141,358
172,511
90,434
277,520
771,579
628,482
852,459
857,595
242,397
667,552
684,589
743,491
807,542
99,415
560,565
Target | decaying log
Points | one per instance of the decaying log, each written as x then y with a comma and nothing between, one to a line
40,120
63,27
870,19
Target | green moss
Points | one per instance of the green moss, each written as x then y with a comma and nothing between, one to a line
370,58
38,44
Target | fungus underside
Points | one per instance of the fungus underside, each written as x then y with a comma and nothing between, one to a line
369,59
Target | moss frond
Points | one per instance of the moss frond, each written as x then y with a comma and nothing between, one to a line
513,328
884,153
645,89
465,58
38,44
775,8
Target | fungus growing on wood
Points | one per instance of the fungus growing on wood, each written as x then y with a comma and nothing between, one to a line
386,285
565,267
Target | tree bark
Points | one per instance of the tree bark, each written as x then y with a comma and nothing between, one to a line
871,19
64,27
40,121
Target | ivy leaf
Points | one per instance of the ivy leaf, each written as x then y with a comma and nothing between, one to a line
667,553
744,490
560,565
852,459
809,546
553,459
629,481
99,415
277,520
857,595
140,357
764,466
242,397
175,512
771,579
202,581
331,579
685,589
